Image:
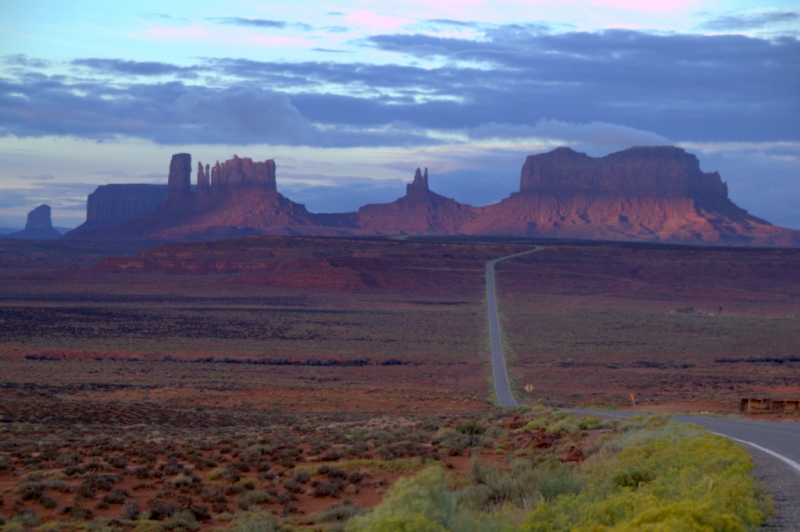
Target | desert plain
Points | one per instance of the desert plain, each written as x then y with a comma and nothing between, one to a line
191,374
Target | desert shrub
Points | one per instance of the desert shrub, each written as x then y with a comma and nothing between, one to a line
213,496
337,512
78,512
26,519
236,489
335,473
131,511
666,476
74,470
419,503
46,501
141,472
260,523
355,477
292,486
96,466
117,496
172,469
243,467
251,498
430,425
589,422
326,489
455,443
302,476
231,474
181,521
470,428
161,509
101,482
29,491
567,426
263,466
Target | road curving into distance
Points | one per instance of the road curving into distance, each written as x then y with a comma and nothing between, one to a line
780,441
499,373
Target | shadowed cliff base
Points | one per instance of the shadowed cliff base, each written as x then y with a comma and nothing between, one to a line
643,194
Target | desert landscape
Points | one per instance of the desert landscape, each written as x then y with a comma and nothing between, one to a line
391,266
181,359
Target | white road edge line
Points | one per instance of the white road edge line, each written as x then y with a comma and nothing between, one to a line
789,461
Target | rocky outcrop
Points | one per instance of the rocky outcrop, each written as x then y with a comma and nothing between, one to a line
419,212
656,194
179,182
112,205
238,197
39,226
661,172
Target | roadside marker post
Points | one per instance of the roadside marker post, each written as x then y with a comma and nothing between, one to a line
633,400
529,389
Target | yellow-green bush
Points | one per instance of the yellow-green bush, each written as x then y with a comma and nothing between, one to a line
653,475
417,504
686,479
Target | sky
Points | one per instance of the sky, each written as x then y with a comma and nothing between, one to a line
349,97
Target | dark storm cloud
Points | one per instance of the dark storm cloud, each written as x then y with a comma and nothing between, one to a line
137,68
682,87
749,21
261,23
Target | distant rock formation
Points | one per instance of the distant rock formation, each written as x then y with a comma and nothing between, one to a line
419,212
112,205
654,194
38,226
238,197
662,172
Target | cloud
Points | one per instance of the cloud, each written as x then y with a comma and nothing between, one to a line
688,87
136,68
749,21
248,115
25,61
262,23
594,136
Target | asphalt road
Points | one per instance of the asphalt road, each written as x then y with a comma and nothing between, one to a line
776,445
501,386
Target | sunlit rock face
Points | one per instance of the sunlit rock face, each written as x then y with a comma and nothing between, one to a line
655,194
651,194
419,212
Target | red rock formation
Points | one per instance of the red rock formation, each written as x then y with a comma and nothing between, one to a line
38,226
236,175
419,212
656,194
179,183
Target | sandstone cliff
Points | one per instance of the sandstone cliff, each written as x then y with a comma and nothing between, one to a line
656,194
39,226
112,205
419,212
231,199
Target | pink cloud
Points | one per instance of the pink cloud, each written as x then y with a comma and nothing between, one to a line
649,5
375,21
